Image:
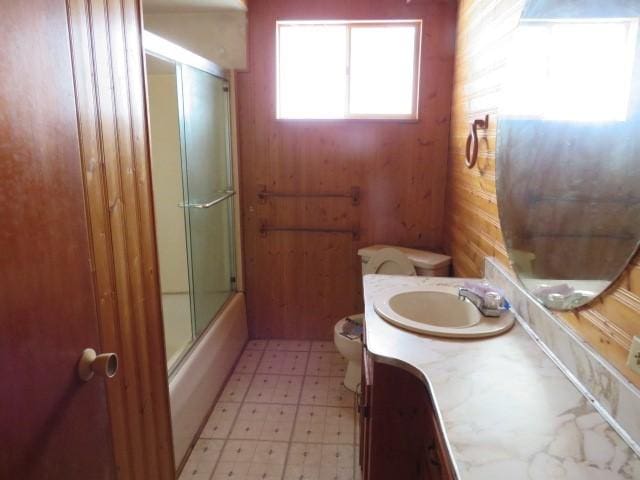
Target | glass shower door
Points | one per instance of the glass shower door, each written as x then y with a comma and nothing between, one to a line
170,222
208,192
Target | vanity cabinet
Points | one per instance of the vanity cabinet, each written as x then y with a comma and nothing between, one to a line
399,433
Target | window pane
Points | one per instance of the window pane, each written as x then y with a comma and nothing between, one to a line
382,70
312,71
557,65
589,61
525,94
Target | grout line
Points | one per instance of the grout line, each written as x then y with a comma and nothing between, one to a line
294,374
243,401
235,418
208,415
295,418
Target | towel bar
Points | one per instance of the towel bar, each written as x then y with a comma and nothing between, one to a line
353,194
265,229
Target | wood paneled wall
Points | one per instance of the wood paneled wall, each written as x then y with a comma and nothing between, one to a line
111,108
299,284
472,228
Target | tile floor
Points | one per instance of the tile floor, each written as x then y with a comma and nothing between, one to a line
283,415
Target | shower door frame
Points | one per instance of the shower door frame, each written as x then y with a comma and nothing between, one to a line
164,49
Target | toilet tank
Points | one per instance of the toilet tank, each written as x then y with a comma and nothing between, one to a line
427,264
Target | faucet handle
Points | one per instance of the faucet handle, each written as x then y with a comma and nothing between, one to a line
493,300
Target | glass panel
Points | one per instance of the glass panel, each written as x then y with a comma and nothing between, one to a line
382,70
211,259
167,195
207,170
312,63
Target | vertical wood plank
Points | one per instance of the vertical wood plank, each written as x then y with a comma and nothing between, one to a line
108,66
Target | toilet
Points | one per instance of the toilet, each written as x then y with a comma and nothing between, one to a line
382,260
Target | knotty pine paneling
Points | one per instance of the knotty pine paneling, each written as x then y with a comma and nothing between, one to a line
299,284
472,227
106,48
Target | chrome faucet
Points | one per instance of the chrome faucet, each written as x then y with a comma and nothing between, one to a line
491,305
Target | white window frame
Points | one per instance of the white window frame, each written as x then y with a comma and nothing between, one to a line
350,24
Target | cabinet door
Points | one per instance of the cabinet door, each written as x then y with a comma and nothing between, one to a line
401,436
364,410
437,464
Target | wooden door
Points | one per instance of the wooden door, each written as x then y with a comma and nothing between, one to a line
53,424
77,251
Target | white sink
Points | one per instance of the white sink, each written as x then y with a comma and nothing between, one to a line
438,311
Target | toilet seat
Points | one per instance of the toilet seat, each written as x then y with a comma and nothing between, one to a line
389,261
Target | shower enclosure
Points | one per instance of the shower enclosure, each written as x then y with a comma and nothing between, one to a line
192,177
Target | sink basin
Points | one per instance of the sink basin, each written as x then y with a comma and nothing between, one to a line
439,311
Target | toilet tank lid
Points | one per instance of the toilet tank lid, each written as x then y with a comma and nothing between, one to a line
419,258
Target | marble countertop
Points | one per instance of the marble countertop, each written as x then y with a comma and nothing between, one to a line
508,412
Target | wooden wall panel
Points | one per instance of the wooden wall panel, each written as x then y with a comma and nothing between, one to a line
472,229
299,284
111,107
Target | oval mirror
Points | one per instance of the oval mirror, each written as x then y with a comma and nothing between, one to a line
568,148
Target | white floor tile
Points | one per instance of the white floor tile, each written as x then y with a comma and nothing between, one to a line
288,345
323,346
236,388
221,420
283,363
202,460
248,361
256,344
328,391
320,462
249,460
284,413
275,389
326,364
257,421
316,424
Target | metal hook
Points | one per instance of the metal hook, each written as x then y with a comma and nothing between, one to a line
471,150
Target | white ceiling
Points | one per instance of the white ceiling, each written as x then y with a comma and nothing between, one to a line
157,6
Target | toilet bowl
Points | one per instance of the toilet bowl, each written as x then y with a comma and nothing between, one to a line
382,260
350,347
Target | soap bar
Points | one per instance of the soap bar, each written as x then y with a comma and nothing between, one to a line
481,288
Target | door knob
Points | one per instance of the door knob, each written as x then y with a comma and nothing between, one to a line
90,364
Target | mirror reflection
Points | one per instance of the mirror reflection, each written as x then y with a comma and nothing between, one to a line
568,152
